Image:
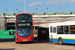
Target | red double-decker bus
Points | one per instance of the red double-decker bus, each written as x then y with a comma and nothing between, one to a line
24,28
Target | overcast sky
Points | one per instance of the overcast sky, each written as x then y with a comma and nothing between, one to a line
10,6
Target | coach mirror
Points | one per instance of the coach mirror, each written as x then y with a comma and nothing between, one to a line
11,33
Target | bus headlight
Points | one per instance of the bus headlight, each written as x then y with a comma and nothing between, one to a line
32,38
17,38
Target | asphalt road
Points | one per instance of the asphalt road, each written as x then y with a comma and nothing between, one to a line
36,45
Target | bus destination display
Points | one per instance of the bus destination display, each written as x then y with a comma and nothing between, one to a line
24,24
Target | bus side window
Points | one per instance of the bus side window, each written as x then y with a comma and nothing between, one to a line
54,29
72,29
60,30
66,28
11,33
50,29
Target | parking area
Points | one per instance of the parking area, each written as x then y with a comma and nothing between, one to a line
36,45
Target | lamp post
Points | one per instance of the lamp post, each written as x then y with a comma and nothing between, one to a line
59,9
19,11
46,9
6,10
36,10
24,6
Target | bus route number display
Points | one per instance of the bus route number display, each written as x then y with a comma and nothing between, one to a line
24,24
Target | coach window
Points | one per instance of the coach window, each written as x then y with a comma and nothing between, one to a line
60,30
72,29
54,29
66,28
50,29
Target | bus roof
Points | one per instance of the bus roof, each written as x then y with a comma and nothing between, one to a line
46,25
62,23
23,13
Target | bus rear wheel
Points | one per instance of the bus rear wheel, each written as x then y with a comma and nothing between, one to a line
60,41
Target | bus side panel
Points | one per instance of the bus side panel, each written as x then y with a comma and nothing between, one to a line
55,40
5,35
69,41
1,34
49,39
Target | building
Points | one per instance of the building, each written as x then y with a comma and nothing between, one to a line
2,23
39,18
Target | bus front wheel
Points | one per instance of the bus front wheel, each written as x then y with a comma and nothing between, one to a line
17,42
60,41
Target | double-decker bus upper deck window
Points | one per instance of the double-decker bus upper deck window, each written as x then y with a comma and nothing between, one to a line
24,18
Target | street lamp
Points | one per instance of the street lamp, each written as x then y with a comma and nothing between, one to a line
59,9
36,10
19,11
46,9
6,10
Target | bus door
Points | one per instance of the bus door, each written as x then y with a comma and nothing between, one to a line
52,33
42,34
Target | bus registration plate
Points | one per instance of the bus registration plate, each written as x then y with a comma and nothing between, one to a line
24,40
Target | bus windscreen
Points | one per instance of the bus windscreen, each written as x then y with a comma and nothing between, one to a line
27,31
24,18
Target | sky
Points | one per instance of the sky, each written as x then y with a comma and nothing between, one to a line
16,6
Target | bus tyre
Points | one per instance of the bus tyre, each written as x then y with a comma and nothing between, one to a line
17,43
31,41
14,38
60,41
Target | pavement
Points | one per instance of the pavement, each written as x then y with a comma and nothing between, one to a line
36,45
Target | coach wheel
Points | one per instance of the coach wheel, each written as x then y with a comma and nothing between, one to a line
60,41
